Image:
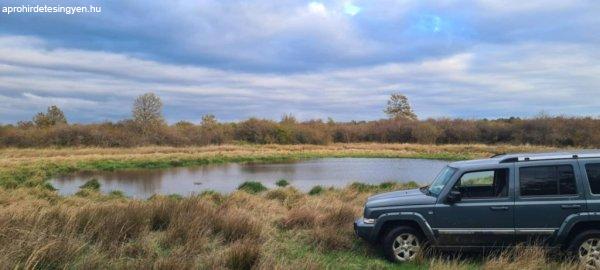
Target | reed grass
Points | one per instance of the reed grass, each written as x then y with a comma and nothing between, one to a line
281,228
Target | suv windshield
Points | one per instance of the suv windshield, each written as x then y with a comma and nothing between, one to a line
440,181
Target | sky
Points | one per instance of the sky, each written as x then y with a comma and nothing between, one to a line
313,59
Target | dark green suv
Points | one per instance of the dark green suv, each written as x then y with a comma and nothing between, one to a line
544,199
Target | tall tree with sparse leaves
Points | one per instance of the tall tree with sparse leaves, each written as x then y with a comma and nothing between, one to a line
399,108
53,116
56,115
209,121
147,112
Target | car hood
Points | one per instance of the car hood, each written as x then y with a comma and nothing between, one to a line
400,198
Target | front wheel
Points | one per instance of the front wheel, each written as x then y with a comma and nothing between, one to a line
402,244
586,246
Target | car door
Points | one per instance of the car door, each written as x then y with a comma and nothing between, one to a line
547,192
590,170
484,216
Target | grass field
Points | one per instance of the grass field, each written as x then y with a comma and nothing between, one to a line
274,229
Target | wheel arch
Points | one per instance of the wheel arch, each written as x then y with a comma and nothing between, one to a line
574,225
391,220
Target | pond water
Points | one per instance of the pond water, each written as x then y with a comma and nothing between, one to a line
225,178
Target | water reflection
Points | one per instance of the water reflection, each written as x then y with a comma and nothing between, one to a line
338,172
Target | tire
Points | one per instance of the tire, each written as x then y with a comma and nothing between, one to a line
585,247
403,244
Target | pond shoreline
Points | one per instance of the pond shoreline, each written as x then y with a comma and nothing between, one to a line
33,167
225,178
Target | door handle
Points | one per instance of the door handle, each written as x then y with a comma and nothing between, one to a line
570,206
498,208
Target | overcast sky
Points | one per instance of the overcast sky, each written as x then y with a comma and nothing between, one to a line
314,59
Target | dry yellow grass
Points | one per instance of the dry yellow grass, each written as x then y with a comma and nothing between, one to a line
40,230
276,229
10,157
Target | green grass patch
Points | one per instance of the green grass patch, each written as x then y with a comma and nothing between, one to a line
92,184
252,187
117,194
282,183
315,190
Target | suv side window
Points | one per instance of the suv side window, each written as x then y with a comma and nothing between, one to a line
593,175
547,180
483,184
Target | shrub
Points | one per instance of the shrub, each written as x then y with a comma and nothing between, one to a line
426,133
540,130
117,194
236,225
252,187
330,238
362,187
340,215
48,186
276,194
282,183
84,192
387,185
302,217
92,184
111,225
315,190
175,197
242,255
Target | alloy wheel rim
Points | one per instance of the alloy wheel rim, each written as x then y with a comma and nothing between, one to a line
405,247
589,253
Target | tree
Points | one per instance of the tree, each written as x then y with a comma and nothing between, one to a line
53,116
288,119
56,115
209,120
399,108
426,133
147,111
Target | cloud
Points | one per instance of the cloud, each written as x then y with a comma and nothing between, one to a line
490,81
317,8
290,36
338,58
351,9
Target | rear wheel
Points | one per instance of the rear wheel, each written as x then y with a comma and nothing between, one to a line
402,244
586,247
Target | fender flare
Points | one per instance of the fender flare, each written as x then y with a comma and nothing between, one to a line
403,216
573,220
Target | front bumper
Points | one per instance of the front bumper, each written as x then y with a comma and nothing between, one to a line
363,230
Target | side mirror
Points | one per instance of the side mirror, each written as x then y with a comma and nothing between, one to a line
454,196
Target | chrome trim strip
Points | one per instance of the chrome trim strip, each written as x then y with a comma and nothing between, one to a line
549,157
496,231
475,231
536,231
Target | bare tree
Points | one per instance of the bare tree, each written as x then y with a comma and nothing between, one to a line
147,111
288,119
399,108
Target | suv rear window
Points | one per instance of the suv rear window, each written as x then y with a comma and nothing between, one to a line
547,180
593,175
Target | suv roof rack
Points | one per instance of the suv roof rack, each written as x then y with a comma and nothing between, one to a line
550,156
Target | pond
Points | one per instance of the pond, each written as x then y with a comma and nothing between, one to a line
225,178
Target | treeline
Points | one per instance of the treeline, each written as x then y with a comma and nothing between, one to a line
542,130
148,127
